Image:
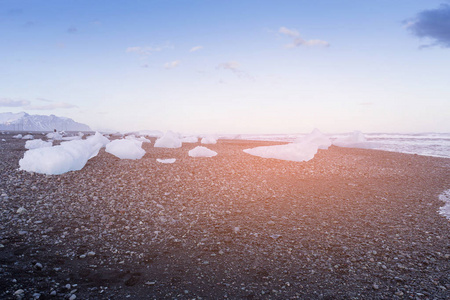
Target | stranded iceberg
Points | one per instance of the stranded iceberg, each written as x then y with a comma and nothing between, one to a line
302,149
126,149
69,156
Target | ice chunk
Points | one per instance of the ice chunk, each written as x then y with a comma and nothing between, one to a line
201,151
317,138
168,140
150,133
18,136
190,139
34,144
27,137
209,140
54,136
69,156
445,210
302,149
126,149
166,161
140,139
355,140
293,152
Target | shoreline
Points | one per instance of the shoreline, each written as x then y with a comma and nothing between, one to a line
350,223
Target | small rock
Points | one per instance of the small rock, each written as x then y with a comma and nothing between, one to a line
38,266
73,297
375,286
19,292
36,296
53,293
90,253
21,210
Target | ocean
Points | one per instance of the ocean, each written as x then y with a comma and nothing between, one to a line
428,144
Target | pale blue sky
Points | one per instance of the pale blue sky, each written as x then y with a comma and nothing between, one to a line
229,66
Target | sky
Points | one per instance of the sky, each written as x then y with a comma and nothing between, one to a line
199,66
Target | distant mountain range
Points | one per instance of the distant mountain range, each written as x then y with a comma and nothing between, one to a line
25,122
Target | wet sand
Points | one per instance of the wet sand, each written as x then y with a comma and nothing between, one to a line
349,224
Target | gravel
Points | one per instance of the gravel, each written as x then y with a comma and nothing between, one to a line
349,224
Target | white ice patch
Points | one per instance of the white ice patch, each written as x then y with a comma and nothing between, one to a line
315,137
140,139
18,136
445,210
200,151
190,139
355,140
34,144
54,136
72,138
151,133
69,156
209,140
126,149
27,137
292,152
303,149
168,140
166,161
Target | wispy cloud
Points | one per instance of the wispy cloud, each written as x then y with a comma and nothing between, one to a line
196,48
231,65
8,102
172,64
72,29
297,41
44,100
147,50
52,106
234,67
433,24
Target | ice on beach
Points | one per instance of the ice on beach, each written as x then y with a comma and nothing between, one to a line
168,140
316,137
209,140
18,136
79,136
445,210
355,140
38,143
69,156
166,161
150,133
135,138
126,149
292,152
190,139
201,151
302,149
54,136
27,137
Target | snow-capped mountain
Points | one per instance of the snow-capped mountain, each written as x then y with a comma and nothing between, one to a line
25,122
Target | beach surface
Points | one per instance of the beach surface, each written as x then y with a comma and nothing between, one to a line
348,224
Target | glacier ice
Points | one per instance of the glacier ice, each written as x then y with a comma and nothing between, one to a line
126,149
201,151
168,140
69,156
